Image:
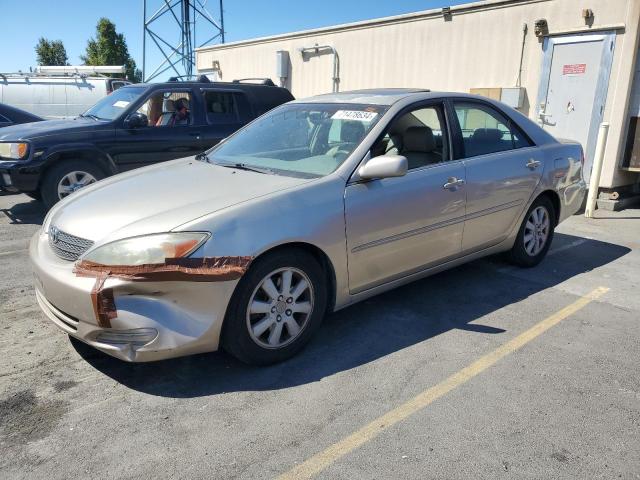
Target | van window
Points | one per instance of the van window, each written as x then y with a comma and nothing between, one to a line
221,106
115,85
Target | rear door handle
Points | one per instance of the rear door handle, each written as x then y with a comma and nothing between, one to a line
533,164
452,183
195,134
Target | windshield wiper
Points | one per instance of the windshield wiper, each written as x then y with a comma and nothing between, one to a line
249,168
91,115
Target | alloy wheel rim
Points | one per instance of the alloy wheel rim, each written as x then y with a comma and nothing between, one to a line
536,231
280,307
73,181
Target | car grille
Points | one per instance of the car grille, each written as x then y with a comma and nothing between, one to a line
66,246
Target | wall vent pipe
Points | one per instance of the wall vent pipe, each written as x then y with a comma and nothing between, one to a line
318,50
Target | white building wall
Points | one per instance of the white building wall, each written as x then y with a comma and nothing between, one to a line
479,46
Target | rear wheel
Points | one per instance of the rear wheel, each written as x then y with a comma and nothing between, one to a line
64,179
276,308
535,234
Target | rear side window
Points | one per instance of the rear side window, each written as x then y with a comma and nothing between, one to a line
485,130
4,119
221,107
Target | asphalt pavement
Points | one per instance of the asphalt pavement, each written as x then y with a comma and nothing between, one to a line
417,383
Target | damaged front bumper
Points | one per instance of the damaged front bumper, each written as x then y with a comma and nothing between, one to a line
136,317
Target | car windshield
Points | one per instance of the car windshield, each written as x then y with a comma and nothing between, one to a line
303,140
114,105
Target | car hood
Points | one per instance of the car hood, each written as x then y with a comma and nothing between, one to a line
33,130
160,198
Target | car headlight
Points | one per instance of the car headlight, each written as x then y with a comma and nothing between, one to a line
148,249
13,150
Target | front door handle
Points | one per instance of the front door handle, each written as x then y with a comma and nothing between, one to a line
452,183
533,164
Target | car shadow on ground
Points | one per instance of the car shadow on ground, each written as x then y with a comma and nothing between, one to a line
364,332
30,212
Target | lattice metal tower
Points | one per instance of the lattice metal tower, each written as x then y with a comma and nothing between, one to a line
177,20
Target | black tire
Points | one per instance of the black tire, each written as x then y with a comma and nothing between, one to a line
236,338
518,254
35,195
49,185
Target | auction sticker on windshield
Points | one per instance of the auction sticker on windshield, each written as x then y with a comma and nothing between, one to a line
354,115
120,104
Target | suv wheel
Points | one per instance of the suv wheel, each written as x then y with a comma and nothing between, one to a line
64,179
535,234
276,308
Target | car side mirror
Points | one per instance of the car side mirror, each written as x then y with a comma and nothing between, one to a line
384,166
136,120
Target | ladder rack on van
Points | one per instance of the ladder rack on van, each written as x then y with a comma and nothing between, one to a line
81,71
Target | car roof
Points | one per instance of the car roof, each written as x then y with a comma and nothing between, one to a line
192,84
384,96
373,96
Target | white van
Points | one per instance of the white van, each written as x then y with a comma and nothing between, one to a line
58,92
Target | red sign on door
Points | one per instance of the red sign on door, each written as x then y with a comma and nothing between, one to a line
574,69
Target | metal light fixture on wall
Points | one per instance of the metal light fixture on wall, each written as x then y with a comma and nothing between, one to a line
588,16
541,27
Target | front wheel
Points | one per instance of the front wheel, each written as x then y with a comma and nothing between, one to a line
535,234
67,177
276,308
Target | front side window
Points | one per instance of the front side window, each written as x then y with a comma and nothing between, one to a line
168,109
419,135
115,105
485,130
306,140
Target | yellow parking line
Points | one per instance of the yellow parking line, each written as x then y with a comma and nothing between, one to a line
13,252
322,460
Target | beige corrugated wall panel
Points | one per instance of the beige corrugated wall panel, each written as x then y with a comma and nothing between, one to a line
618,97
479,47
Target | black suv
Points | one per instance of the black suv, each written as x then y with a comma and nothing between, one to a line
134,126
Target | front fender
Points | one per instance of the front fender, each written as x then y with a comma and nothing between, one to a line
312,213
83,151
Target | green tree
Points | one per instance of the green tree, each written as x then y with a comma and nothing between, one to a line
110,48
51,52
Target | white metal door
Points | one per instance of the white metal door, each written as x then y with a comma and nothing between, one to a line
573,89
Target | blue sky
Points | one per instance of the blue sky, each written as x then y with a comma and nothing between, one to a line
74,22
